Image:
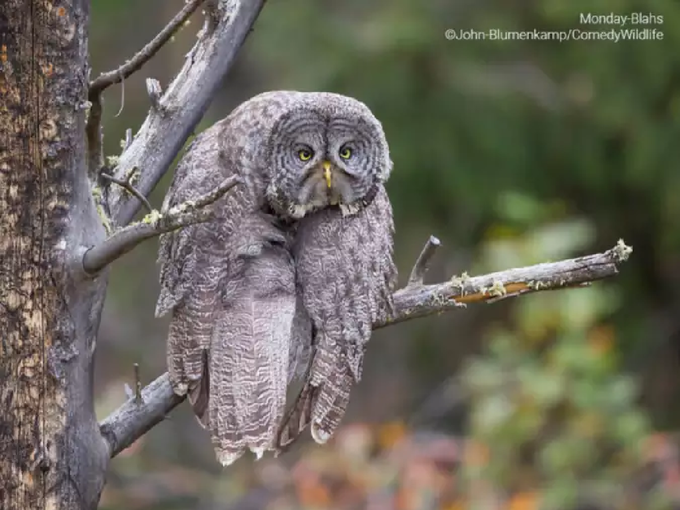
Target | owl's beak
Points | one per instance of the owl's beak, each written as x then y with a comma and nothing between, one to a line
327,172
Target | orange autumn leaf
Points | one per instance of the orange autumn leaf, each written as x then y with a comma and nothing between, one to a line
455,505
390,434
523,501
601,339
476,453
311,492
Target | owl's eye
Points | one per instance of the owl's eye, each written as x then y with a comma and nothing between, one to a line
345,153
305,154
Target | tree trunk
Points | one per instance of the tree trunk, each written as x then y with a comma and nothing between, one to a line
51,452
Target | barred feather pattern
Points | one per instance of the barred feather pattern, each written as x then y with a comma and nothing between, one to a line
229,284
278,285
345,273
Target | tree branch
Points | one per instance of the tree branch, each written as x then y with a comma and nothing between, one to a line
423,262
132,420
154,224
129,188
171,121
105,80
422,300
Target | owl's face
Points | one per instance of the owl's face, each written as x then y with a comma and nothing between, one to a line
329,150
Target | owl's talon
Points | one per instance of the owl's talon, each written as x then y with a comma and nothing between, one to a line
227,458
258,451
180,389
319,436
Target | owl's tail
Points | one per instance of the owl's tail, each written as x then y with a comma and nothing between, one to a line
248,375
199,394
321,405
297,418
331,403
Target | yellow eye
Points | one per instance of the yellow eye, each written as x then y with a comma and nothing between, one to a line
305,154
345,153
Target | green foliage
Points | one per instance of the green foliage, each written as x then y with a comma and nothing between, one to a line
550,405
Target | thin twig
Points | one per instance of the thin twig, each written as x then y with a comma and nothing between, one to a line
128,139
105,80
130,188
154,224
155,92
122,98
130,421
423,262
138,386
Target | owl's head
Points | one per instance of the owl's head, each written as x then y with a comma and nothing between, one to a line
326,149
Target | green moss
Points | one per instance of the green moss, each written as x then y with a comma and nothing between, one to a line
460,281
133,176
105,219
497,289
112,161
622,251
536,285
152,218
97,196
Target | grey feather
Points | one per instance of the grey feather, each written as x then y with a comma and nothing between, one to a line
282,283
346,275
250,344
216,279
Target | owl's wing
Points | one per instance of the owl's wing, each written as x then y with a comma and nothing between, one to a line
346,274
192,262
249,352
230,286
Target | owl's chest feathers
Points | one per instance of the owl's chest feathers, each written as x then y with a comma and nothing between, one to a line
277,203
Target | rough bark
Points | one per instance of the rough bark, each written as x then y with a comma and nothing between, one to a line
51,452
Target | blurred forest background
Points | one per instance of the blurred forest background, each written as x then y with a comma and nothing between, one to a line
512,153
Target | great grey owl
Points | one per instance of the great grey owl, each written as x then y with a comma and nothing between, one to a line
288,277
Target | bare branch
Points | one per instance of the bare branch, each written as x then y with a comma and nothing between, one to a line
131,421
135,63
180,108
423,300
130,188
154,224
423,263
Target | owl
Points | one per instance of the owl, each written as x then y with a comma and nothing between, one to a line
288,277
